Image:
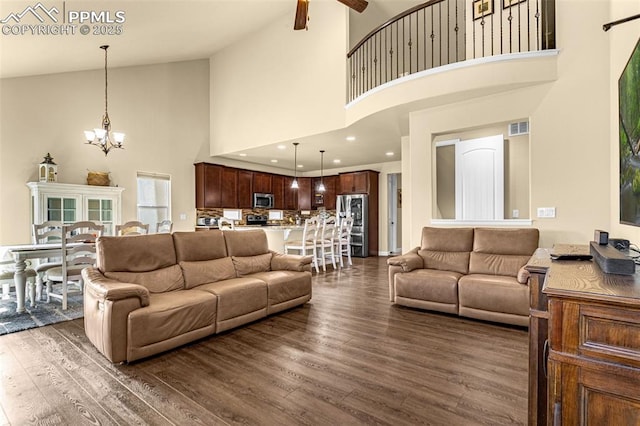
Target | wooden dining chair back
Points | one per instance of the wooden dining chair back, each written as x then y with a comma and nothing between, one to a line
307,243
132,227
44,233
343,240
164,227
79,252
326,242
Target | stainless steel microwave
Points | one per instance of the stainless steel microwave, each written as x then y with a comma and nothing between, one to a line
262,201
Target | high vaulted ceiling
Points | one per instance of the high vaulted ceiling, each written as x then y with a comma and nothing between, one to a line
169,31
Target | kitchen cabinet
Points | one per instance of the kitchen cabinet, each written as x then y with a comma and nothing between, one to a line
594,355
262,183
69,203
216,186
326,199
245,189
358,182
304,193
290,195
277,188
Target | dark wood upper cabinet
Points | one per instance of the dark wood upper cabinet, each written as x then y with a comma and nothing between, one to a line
208,191
277,188
290,195
262,183
229,185
330,193
357,182
245,189
304,193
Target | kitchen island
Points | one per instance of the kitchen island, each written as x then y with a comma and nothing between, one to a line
277,234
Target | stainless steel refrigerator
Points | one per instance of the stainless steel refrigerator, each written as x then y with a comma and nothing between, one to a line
356,206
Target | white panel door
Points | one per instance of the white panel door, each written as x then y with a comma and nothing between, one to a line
480,179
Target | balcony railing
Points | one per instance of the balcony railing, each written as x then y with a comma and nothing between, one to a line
441,32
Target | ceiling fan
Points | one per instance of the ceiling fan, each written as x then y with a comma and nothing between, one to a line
303,8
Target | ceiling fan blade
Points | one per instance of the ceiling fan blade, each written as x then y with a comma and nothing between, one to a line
357,5
300,22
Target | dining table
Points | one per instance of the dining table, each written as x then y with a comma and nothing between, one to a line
21,253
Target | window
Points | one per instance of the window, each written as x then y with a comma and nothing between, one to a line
154,198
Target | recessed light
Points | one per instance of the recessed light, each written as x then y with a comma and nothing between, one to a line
300,166
282,147
274,161
351,138
337,160
389,154
242,154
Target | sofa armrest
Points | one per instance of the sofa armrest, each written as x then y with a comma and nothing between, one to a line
523,275
290,262
103,288
408,261
107,305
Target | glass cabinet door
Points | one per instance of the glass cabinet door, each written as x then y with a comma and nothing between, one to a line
62,209
101,211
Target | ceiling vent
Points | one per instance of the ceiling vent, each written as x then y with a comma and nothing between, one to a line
520,128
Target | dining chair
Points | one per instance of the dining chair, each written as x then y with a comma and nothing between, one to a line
343,240
164,227
132,227
225,223
307,243
78,252
326,242
43,233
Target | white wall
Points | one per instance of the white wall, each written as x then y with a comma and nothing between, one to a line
570,131
163,109
281,84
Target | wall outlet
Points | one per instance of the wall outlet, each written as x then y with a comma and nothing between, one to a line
183,216
546,212
515,214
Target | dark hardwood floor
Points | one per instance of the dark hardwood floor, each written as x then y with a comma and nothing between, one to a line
347,357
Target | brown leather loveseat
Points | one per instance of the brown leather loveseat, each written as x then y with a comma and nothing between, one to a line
471,272
152,293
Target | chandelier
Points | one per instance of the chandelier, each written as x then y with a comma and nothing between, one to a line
102,137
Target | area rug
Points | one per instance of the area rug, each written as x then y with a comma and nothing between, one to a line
42,314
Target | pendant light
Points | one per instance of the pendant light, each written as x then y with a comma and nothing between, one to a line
102,137
294,184
321,187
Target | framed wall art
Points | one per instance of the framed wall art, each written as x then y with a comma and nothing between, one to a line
482,8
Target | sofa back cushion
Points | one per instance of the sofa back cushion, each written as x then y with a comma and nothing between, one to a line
246,243
157,281
502,251
147,260
446,249
207,271
199,245
135,253
247,265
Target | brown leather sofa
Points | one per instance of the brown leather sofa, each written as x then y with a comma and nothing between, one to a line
152,293
471,272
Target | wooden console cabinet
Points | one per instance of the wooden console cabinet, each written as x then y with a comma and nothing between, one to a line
594,351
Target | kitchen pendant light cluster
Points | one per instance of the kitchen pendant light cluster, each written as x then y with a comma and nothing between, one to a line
321,187
294,184
102,137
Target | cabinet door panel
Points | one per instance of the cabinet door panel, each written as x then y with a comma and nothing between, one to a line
277,188
229,190
245,189
304,193
290,195
262,182
330,192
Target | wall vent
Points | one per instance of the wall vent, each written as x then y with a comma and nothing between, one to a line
520,128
